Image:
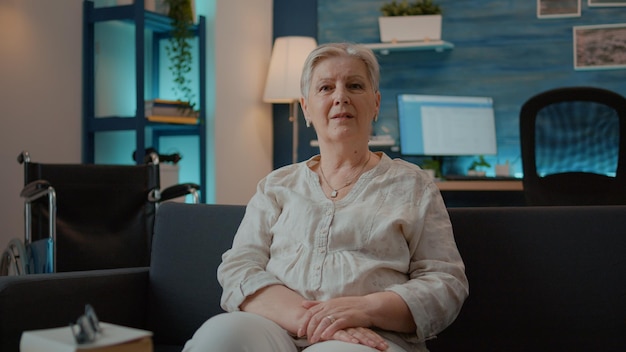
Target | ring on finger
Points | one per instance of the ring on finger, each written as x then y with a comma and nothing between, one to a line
331,318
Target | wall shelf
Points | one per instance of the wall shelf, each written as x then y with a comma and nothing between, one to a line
386,48
379,143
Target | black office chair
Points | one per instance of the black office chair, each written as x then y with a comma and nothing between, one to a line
573,143
87,216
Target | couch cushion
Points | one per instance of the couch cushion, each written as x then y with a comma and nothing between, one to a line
541,279
187,248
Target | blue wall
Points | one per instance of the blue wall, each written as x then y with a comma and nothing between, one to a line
292,17
501,50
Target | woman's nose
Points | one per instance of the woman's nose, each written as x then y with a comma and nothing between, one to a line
341,97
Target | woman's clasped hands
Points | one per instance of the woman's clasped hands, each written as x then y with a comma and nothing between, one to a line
338,319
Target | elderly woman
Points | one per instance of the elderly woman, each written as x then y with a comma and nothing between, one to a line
348,251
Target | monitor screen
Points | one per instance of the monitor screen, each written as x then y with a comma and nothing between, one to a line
446,125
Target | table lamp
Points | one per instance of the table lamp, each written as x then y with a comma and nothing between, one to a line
283,79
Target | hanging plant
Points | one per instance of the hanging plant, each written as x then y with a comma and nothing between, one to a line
178,50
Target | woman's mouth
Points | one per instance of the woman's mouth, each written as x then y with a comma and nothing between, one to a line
342,115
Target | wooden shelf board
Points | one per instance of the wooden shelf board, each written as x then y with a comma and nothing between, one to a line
386,48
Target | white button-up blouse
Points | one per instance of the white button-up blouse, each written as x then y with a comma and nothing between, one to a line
391,232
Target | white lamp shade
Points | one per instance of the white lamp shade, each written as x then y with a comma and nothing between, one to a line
283,78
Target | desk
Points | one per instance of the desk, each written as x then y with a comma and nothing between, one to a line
482,193
513,185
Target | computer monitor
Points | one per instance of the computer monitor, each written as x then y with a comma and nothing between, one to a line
436,125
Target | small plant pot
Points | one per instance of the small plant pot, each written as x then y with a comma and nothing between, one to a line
410,28
476,173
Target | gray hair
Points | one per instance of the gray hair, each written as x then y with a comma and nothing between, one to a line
329,50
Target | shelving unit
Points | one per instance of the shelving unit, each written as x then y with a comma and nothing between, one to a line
386,48
160,27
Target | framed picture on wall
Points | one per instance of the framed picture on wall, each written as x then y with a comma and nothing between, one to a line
600,47
558,8
606,3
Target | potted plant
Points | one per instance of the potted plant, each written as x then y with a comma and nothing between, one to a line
434,167
178,50
406,21
477,167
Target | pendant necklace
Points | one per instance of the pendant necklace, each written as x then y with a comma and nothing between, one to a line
335,191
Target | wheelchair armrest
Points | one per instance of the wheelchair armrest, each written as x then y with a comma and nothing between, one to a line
179,190
40,301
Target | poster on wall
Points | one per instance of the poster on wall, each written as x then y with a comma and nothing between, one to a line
600,47
558,8
592,3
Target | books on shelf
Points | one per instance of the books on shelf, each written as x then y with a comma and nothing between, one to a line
170,111
114,338
187,120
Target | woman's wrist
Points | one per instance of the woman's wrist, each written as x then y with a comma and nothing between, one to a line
279,304
388,311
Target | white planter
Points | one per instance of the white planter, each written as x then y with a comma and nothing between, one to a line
409,28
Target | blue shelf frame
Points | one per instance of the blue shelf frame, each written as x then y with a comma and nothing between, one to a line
161,28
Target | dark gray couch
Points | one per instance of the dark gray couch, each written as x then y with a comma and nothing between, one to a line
541,279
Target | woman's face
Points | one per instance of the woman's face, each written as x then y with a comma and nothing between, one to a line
341,103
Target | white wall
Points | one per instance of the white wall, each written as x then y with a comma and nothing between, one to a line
40,96
243,123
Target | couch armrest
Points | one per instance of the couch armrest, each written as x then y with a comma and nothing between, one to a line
51,300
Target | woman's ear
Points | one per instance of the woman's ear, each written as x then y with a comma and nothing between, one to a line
305,111
304,106
377,106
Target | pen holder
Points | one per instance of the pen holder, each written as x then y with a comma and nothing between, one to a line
503,170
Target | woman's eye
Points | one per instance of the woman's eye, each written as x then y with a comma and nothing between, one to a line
355,86
324,88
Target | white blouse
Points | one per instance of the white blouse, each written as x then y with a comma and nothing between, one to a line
391,232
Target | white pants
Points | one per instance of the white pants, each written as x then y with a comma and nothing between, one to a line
247,332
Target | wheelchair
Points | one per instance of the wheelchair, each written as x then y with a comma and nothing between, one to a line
87,217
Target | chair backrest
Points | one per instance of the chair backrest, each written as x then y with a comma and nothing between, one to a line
573,144
104,216
189,240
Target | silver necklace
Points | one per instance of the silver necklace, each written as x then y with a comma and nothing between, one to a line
335,191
